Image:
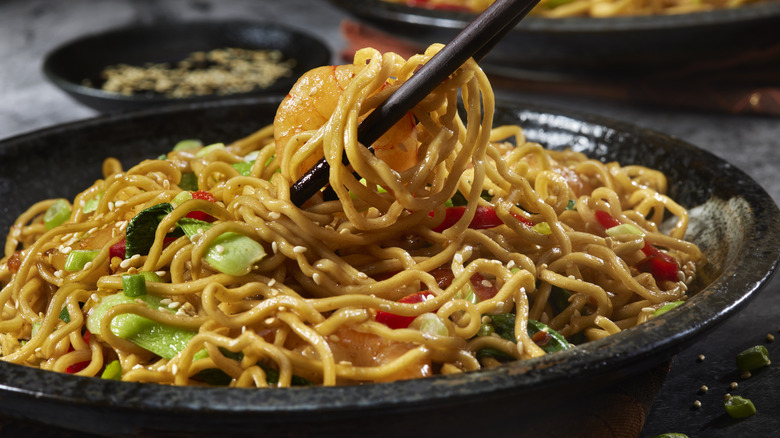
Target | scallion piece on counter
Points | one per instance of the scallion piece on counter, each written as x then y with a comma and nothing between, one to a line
753,358
739,407
56,214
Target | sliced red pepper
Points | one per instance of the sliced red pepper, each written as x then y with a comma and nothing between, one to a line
483,289
78,366
606,220
199,215
398,321
484,217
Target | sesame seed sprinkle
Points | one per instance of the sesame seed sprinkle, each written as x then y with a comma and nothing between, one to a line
299,249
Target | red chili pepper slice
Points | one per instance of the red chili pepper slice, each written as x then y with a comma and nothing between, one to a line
118,249
483,289
659,267
78,366
606,220
398,321
484,217
199,215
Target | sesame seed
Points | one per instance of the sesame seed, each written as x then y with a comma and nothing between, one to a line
316,278
299,249
334,338
271,282
703,389
733,385
110,206
487,283
362,275
58,273
160,273
219,249
274,215
696,404
119,203
726,397
94,297
745,375
137,366
166,301
87,265
174,369
700,358
770,337
274,247
511,264
65,250
174,305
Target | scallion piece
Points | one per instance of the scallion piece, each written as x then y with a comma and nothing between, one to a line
65,315
623,229
78,258
244,168
134,285
113,371
56,214
739,407
230,253
542,228
667,307
430,324
187,144
753,358
208,149
92,204
181,198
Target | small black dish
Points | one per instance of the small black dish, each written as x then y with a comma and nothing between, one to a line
85,58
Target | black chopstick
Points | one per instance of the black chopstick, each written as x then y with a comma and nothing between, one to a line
475,40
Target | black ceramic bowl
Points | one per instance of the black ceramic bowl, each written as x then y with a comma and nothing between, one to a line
733,220
580,46
85,58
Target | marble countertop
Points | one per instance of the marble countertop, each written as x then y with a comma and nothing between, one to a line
29,29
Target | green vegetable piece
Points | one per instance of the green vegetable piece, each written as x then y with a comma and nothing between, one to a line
92,204
181,198
431,324
113,371
189,181
671,435
486,329
542,228
622,229
272,377
134,285
559,299
492,352
65,315
556,341
187,144
208,149
667,307
504,324
739,407
570,205
78,259
230,253
163,340
56,214
139,236
244,168
753,358
150,276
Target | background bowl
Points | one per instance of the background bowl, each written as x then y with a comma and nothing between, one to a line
581,46
85,58
734,221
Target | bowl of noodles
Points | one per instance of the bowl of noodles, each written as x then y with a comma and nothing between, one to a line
628,43
159,280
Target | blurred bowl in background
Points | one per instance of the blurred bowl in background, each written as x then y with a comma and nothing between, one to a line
76,66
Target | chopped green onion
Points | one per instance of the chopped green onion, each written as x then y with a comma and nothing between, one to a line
92,204
430,324
113,371
56,214
753,358
542,228
187,144
739,407
667,307
189,181
35,327
570,205
150,276
230,253
65,315
134,285
244,168
208,149
78,258
181,198
623,229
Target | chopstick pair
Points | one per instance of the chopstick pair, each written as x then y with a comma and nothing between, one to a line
474,41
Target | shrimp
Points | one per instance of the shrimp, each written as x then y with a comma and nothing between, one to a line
314,98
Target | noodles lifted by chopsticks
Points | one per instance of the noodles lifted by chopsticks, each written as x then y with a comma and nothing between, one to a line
591,8
459,246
